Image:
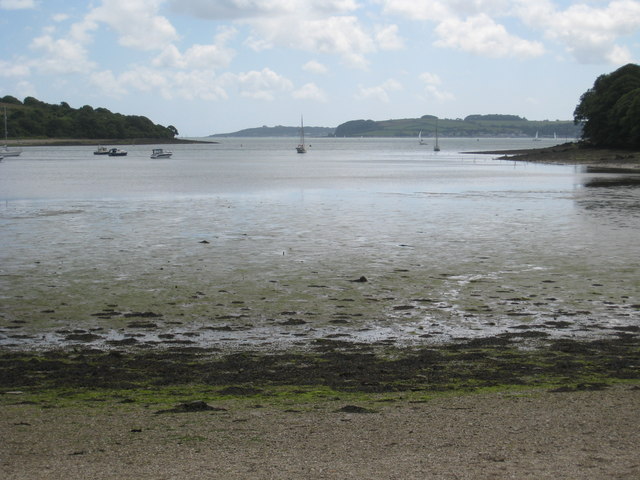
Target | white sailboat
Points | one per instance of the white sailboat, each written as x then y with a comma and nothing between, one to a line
301,148
536,138
420,140
5,151
436,147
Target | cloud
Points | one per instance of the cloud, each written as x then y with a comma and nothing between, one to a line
12,69
259,85
310,91
388,39
136,22
60,56
432,88
313,66
213,56
480,35
17,4
343,36
379,92
253,9
204,85
590,34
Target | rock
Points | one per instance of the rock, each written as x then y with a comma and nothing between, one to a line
362,279
195,406
354,409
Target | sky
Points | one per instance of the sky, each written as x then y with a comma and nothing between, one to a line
218,66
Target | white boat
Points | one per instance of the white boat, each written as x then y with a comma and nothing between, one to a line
420,140
436,146
101,150
5,151
301,148
160,153
116,152
536,138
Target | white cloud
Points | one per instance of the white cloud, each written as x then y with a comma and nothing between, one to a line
137,23
61,56
379,92
480,35
17,4
388,39
259,85
342,36
310,91
202,85
432,88
213,56
252,9
316,67
13,69
589,33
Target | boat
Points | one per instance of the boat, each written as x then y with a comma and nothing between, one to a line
420,140
301,148
436,146
5,151
101,150
536,138
160,153
116,152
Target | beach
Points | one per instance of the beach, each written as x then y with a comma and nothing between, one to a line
525,435
200,325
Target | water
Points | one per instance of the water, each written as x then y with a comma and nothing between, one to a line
248,244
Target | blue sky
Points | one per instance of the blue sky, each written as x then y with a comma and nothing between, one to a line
216,66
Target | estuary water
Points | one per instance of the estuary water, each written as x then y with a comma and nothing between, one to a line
247,244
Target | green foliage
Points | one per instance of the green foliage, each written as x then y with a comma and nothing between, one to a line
472,126
610,110
35,119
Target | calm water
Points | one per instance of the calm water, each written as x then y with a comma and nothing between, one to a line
246,243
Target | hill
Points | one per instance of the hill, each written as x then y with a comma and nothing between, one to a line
35,119
279,131
471,126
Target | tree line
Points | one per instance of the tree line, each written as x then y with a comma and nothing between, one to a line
33,118
610,110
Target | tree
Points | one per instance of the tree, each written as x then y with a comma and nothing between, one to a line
610,110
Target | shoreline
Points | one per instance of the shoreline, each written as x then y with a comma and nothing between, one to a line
71,142
602,159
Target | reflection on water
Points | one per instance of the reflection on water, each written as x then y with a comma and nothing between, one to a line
246,243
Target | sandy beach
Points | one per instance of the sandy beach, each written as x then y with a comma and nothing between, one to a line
524,435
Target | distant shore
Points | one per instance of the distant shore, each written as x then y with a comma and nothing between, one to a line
575,154
66,142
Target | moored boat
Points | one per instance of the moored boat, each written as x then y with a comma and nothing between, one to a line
160,153
116,152
101,150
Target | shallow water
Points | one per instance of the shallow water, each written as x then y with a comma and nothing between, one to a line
246,243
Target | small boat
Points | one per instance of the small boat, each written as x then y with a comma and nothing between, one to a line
5,151
420,140
101,150
116,152
436,147
301,148
536,138
160,153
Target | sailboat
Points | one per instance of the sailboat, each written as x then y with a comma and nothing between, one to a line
536,138
420,140
301,148
436,147
5,151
